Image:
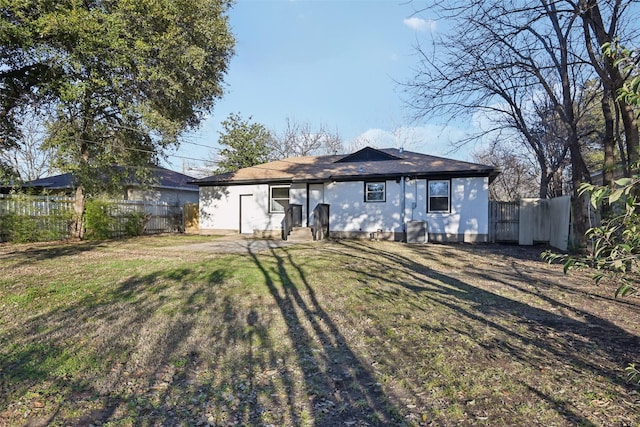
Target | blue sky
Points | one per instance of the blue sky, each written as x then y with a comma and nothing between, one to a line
331,63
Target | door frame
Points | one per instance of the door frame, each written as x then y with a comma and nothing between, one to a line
240,216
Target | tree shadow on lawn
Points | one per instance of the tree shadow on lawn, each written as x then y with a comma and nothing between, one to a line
172,347
39,251
342,390
520,272
118,356
574,343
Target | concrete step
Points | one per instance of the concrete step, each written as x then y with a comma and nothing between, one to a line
300,234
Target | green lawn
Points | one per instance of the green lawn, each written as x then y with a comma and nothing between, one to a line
145,332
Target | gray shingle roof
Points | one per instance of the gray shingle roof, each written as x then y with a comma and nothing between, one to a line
367,163
165,179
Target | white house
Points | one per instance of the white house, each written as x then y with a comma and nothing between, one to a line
386,193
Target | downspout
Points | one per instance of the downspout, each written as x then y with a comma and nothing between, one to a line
402,207
308,214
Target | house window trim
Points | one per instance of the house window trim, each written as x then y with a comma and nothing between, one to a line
271,198
448,210
384,192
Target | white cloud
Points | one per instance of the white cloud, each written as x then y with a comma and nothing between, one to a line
437,140
419,24
376,138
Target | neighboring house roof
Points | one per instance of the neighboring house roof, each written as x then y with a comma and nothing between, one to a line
165,179
597,177
368,163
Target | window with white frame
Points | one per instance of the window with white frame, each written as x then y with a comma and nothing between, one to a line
439,195
278,198
374,192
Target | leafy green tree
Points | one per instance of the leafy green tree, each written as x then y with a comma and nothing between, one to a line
603,24
245,144
615,254
8,175
123,78
616,242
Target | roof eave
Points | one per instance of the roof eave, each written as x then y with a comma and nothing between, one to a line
491,173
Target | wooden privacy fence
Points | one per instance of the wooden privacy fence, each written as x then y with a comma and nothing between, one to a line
157,217
191,215
33,218
37,218
531,221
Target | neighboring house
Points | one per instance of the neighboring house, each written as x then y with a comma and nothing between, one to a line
168,186
370,193
597,177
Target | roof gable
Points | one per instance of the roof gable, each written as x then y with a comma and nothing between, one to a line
367,154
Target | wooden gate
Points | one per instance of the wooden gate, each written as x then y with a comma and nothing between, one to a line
504,221
191,218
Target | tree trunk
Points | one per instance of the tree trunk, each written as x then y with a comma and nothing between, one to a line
630,133
579,220
544,180
77,225
614,79
608,140
578,171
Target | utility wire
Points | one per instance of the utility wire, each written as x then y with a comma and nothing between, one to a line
183,140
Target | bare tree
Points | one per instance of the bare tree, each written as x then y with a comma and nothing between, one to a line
518,177
29,157
361,141
299,139
606,23
511,60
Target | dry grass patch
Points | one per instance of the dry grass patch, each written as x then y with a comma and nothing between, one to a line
340,333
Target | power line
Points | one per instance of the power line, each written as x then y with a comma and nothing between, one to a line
179,140
140,150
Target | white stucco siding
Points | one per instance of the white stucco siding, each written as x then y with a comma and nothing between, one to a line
349,212
416,196
469,214
220,208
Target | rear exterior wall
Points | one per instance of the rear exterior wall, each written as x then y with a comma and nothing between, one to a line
350,215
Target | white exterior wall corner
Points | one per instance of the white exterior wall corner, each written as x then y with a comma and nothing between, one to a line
468,219
298,196
220,208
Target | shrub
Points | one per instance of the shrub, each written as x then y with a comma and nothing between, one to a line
98,220
135,223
